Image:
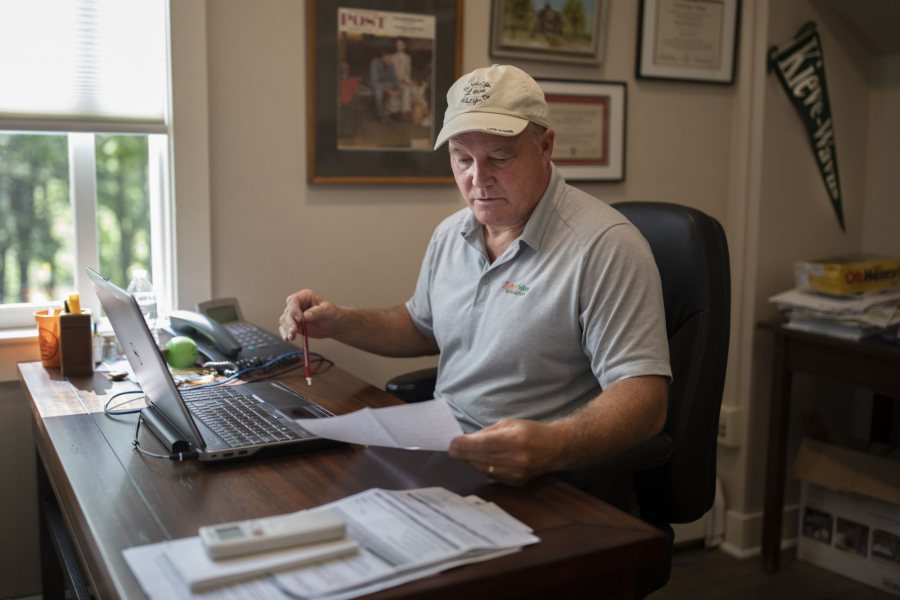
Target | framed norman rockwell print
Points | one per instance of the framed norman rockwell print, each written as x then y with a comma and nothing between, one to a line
377,76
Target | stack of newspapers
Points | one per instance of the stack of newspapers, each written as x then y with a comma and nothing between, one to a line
393,537
849,317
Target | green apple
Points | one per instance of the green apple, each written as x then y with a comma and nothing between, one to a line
181,352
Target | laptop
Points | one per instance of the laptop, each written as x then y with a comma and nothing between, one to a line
219,422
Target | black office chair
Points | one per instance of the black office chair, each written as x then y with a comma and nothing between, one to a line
674,473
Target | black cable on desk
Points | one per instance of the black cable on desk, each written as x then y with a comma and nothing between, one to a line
112,412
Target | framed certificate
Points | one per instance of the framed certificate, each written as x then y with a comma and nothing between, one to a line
690,40
589,121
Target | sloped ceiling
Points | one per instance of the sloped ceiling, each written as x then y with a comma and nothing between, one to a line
875,22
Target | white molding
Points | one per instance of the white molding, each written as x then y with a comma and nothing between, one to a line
83,193
743,531
189,152
742,553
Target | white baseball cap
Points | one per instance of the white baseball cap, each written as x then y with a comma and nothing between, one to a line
500,99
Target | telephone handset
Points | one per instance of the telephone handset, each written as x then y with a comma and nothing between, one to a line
194,325
222,334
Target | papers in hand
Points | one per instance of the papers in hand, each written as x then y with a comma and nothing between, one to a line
426,425
401,536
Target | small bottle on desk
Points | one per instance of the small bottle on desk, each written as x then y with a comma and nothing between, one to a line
143,292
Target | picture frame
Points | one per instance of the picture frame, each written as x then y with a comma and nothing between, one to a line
688,40
589,119
372,114
542,30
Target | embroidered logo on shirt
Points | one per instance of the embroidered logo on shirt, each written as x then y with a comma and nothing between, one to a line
516,289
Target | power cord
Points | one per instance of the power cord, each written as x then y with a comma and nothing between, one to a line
112,412
179,456
317,358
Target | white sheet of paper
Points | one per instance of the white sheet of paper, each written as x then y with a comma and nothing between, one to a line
428,425
403,535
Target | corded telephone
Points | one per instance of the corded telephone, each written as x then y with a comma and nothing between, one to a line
222,334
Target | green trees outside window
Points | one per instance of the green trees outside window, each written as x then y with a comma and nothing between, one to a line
37,228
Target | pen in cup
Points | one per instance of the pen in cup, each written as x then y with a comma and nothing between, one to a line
74,303
306,352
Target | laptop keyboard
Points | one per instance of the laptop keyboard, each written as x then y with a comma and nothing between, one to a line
236,417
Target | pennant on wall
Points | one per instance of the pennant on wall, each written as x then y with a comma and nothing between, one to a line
800,68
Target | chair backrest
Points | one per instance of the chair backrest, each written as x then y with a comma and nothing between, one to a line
692,256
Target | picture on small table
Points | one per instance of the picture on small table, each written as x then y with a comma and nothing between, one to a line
886,546
852,537
817,525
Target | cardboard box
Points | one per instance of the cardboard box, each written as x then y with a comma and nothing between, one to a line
847,275
850,513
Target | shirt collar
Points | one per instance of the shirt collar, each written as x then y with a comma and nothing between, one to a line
543,212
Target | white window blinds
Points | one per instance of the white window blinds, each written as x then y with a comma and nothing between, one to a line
83,65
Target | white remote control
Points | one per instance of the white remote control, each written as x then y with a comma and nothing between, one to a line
271,533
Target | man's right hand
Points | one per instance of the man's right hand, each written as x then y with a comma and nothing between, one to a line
321,316
384,331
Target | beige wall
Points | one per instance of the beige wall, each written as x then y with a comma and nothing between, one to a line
737,152
272,233
19,557
882,212
789,217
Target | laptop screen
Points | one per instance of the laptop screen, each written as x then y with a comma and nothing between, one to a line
144,357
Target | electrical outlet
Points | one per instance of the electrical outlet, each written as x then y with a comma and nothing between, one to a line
729,426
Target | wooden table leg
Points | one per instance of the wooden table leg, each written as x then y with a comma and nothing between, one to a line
775,460
52,580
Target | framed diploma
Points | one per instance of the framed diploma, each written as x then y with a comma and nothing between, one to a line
690,40
589,121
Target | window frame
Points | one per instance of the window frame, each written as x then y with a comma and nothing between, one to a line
182,176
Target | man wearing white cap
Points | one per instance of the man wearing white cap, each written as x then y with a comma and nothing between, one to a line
543,302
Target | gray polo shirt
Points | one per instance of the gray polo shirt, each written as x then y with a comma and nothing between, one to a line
572,306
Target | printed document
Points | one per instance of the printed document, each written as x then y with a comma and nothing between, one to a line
402,536
426,425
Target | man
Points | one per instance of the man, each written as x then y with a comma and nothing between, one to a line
384,82
543,302
402,64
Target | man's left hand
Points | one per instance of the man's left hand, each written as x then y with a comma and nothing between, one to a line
511,451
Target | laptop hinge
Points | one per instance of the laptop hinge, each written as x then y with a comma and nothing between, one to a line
164,432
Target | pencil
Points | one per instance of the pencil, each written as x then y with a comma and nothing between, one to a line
306,352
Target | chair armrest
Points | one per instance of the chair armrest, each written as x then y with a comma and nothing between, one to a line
648,454
415,386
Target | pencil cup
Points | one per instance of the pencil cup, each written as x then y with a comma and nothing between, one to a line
75,344
48,336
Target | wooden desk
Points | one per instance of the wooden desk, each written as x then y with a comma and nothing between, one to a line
112,498
868,364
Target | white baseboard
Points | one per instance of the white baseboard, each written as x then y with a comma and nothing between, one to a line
690,532
743,532
743,553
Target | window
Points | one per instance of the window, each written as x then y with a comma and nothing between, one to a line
83,150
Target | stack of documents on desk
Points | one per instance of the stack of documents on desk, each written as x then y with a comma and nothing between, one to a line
401,536
849,317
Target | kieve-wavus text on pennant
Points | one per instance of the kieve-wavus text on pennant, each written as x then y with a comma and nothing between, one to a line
800,67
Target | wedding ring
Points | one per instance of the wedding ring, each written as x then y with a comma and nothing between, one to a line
491,470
